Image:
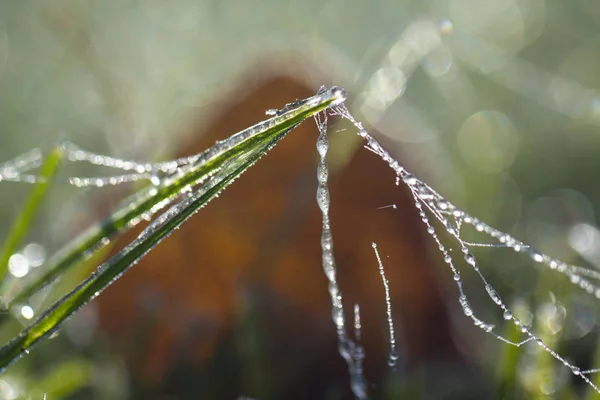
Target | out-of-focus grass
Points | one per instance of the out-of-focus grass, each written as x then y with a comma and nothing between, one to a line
21,224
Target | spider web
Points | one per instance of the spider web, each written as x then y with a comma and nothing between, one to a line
431,207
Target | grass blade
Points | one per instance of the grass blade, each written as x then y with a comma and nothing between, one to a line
144,201
232,163
20,227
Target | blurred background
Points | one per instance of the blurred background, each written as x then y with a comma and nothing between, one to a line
494,103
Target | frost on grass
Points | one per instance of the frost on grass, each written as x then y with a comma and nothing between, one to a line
430,205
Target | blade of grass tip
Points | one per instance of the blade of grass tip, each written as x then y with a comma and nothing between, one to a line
146,200
21,225
257,143
111,270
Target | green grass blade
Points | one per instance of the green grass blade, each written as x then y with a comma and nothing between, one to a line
143,202
20,227
245,154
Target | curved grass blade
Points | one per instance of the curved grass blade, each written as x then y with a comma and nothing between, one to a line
256,143
21,225
150,199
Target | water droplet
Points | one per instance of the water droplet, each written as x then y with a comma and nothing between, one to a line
464,303
410,179
537,257
447,259
393,359
493,294
507,315
470,259
517,247
339,94
271,111
322,145
322,173
457,277
155,180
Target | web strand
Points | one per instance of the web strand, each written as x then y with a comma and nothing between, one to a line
452,218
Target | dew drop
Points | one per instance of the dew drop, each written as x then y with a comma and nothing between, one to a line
507,315
464,303
493,294
393,359
410,179
470,259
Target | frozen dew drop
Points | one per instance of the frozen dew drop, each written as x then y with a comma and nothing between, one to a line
537,257
576,370
517,247
470,259
457,277
271,111
493,294
338,317
339,94
322,172
323,198
430,229
393,359
425,193
447,259
322,145
507,315
410,179
464,303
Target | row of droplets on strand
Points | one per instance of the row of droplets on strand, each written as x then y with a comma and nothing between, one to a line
452,219
425,198
350,350
17,169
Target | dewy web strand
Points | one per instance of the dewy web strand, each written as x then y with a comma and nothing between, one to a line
452,218
348,349
393,356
